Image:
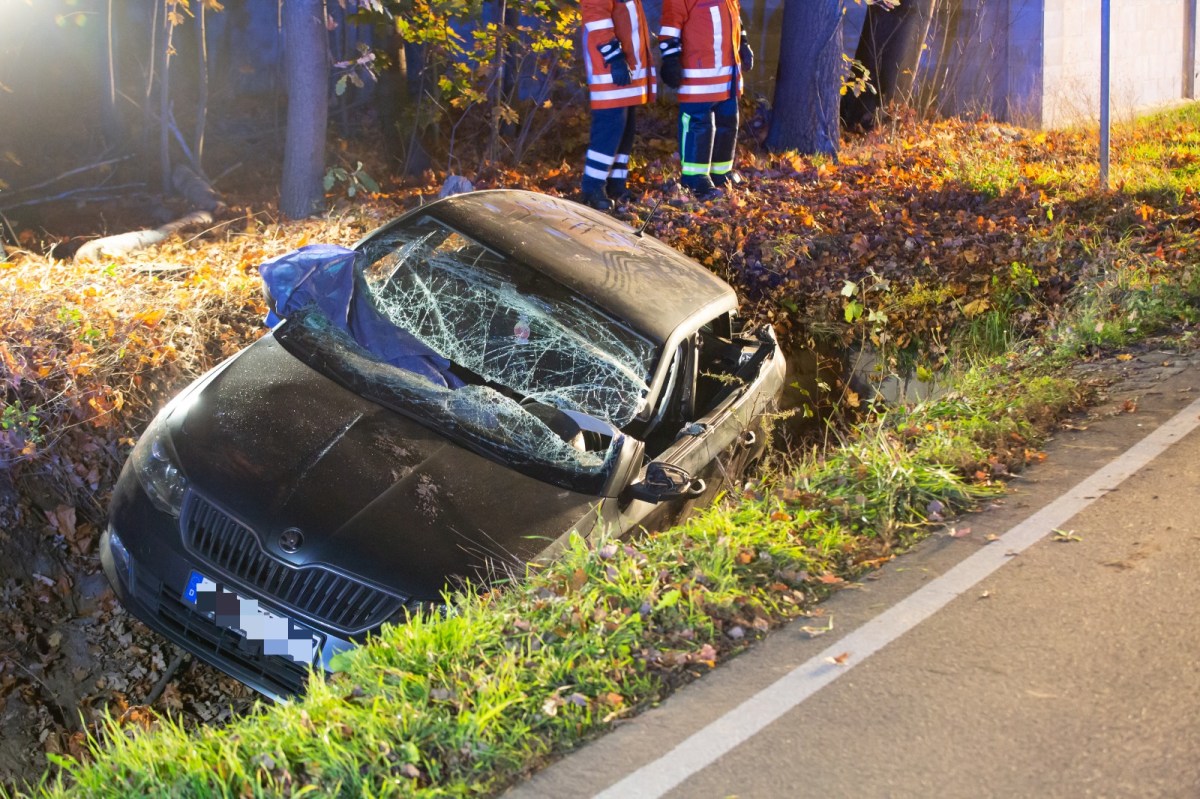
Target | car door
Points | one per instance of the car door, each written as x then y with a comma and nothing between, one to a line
714,441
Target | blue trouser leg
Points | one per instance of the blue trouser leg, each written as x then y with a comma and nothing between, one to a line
725,114
620,169
608,130
696,143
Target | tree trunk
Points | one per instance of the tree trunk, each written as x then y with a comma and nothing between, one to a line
122,243
500,78
400,97
201,85
808,83
164,96
306,65
890,49
148,97
110,117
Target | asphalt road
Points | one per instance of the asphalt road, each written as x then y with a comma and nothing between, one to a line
1062,660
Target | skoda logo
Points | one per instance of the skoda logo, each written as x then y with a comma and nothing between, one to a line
291,539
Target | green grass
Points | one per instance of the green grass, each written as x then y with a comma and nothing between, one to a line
1155,156
1129,296
989,172
1160,155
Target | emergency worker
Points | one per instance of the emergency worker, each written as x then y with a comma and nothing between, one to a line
704,56
620,77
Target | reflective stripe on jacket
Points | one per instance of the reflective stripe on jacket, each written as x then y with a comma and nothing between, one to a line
711,33
624,19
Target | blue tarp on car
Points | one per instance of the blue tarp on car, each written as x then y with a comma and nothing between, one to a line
324,276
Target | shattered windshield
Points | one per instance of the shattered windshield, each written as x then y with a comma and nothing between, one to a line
485,350
507,323
538,440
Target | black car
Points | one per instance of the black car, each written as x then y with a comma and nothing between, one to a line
447,401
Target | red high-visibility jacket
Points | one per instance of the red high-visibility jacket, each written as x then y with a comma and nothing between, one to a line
711,34
602,21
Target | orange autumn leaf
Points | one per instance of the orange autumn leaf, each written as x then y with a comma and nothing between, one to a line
150,317
103,408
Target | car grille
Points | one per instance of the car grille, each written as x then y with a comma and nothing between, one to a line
242,658
321,595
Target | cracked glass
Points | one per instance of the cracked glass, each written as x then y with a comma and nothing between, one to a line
506,323
511,363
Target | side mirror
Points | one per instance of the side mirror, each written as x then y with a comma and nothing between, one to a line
664,481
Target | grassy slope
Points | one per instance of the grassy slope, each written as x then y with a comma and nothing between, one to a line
922,231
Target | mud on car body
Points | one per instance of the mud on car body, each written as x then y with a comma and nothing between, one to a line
446,401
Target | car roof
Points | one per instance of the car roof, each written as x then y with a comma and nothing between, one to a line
636,278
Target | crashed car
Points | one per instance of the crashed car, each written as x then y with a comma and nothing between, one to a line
444,403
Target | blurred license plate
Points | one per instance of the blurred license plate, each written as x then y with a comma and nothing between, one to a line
279,634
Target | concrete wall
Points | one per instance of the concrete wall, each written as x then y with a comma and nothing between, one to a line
1149,48
1037,62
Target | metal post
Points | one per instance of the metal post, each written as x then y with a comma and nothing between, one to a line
1189,50
1105,58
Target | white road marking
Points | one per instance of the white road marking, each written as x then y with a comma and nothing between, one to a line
708,744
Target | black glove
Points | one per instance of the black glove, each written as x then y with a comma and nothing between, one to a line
614,57
671,69
746,55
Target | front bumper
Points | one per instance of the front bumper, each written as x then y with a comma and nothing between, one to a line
156,596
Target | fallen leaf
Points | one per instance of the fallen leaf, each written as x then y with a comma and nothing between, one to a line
62,519
840,660
959,532
813,632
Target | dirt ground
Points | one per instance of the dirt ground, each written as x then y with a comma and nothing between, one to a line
69,653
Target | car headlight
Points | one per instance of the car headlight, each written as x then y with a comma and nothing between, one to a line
153,462
122,563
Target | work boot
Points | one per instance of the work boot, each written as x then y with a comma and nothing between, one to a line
730,180
597,200
703,189
621,194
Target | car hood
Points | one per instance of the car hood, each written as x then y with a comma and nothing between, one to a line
277,445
